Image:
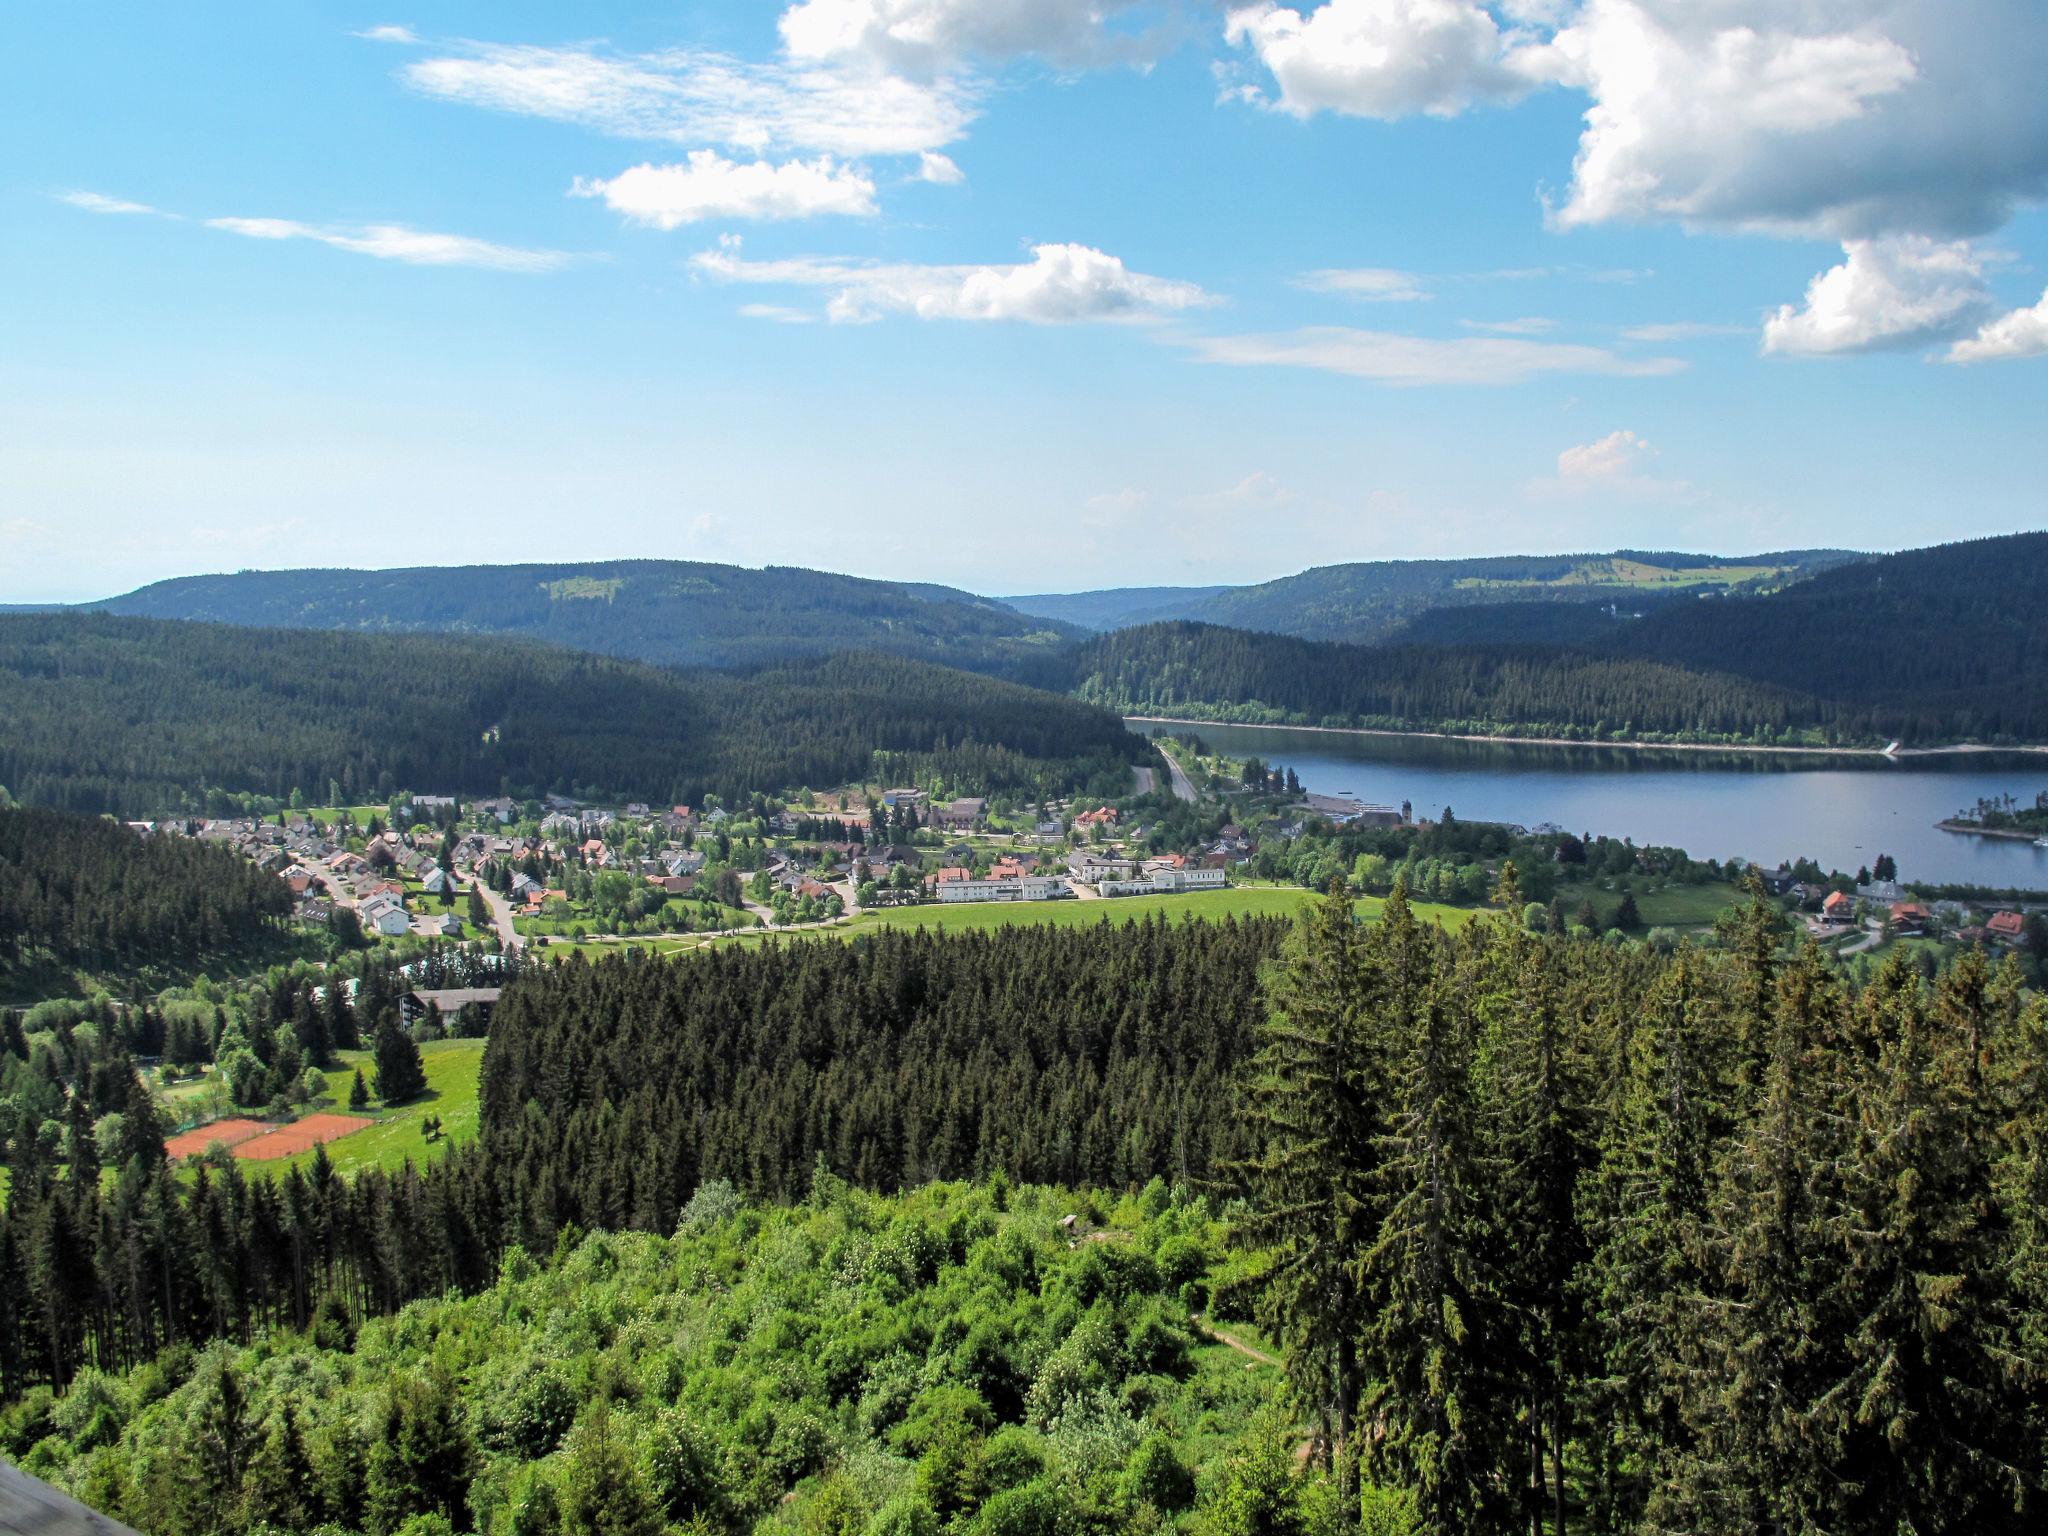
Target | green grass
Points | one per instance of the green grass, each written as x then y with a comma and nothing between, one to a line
1635,574
1669,906
452,1070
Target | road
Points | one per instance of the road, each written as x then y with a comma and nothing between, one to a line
501,915
1142,781
1183,789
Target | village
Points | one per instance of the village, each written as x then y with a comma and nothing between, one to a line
509,874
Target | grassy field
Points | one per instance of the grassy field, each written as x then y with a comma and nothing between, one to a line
1637,574
1661,906
452,1068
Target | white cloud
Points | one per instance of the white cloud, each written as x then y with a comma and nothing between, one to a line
709,186
1613,457
2019,333
1107,507
388,34
1378,285
1846,118
1900,291
395,242
781,314
98,202
1382,58
702,97
1613,468
939,169
1681,330
1526,325
932,36
1390,358
1061,284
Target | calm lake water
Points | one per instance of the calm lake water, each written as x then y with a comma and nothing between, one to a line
1840,811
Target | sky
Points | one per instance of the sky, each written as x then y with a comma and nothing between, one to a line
1015,295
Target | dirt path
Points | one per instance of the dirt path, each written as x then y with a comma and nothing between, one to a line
1234,1342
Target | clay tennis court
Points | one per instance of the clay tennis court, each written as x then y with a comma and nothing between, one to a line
300,1136
226,1133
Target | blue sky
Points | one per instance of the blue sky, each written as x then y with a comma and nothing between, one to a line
1015,294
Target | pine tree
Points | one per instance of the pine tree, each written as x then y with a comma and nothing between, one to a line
1936,1392
1431,1339
604,1491
1541,1145
1314,1093
421,1463
358,1092
280,1488
400,1075
1645,1208
1773,1454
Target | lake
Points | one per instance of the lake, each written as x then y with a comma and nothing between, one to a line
1840,811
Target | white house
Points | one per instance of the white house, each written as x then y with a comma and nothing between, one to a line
383,915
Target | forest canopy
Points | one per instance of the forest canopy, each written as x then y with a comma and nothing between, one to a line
141,717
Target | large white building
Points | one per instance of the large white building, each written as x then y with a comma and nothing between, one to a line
1011,888
1165,880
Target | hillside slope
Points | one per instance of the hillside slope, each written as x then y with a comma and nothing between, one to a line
1367,602
145,716
671,612
1930,646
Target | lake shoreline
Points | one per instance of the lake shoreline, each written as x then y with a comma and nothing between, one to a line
1971,829
1895,754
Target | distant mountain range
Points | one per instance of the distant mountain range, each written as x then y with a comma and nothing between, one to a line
1373,601
669,612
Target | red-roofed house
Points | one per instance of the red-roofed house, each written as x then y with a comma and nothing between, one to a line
2006,927
1909,917
1839,907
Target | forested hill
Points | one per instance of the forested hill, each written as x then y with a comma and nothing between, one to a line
1934,645
1370,601
1117,607
144,716
1941,643
673,612
1203,671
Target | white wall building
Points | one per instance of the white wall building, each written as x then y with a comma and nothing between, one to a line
1016,888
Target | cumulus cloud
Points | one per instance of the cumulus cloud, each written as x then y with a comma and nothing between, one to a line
99,202
703,97
396,242
1061,284
781,314
709,186
925,37
1614,467
1846,118
2020,333
388,34
1379,285
939,170
1900,291
1383,58
1389,358
1614,456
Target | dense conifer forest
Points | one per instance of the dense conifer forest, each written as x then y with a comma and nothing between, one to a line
1552,1235
142,717
82,891
1933,645
676,613
1199,671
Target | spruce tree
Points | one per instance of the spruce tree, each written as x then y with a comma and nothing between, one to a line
1314,1095
1432,1338
358,1092
400,1076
